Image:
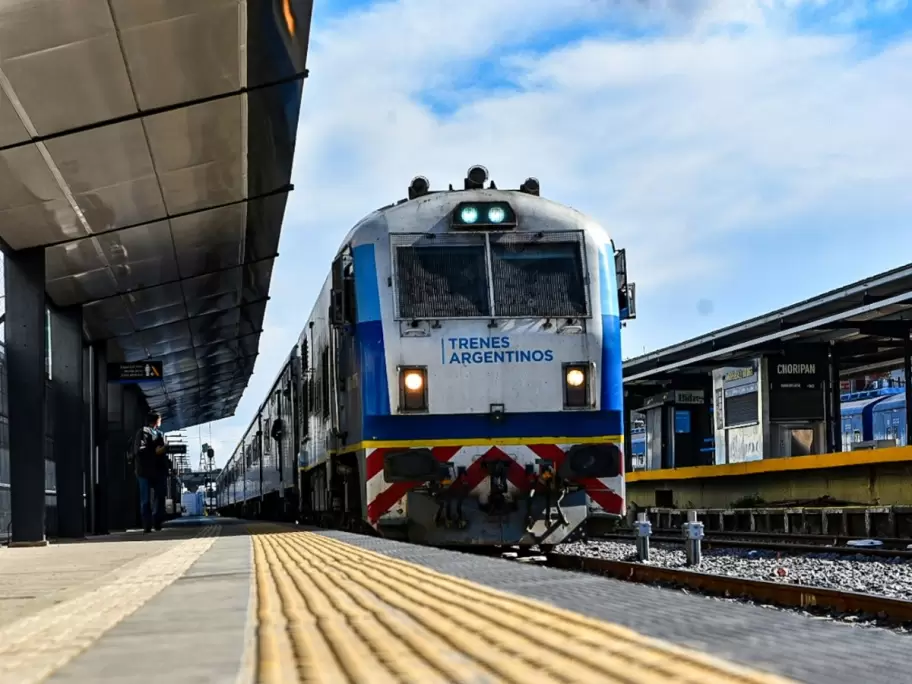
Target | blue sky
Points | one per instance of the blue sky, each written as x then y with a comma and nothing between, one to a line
747,153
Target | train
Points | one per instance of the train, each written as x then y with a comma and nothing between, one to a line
458,381
873,417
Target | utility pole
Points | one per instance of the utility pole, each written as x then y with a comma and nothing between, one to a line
206,466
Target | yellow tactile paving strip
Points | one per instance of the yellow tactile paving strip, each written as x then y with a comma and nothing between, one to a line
332,613
34,647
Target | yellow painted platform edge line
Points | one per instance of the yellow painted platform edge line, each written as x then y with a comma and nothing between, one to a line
46,621
725,667
247,672
842,459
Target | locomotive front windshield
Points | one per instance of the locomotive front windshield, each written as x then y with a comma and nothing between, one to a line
529,277
540,280
442,282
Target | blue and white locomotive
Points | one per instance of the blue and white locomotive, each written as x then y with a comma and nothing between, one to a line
459,380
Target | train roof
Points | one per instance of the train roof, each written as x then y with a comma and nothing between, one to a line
854,408
891,403
430,214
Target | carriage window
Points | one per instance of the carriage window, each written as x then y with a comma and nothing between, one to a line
541,279
324,382
442,282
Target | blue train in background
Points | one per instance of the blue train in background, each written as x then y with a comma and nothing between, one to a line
877,414
874,415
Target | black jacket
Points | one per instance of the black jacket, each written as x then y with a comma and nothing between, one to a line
148,462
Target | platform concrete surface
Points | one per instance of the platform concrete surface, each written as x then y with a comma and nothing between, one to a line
232,602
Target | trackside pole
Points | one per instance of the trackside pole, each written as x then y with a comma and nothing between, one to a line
693,533
643,531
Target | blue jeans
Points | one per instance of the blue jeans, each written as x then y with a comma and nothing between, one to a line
152,503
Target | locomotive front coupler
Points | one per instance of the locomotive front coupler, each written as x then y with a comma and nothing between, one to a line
438,492
461,487
497,500
555,487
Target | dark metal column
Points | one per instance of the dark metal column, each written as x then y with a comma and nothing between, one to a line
116,456
907,368
134,414
88,417
69,420
834,417
100,451
26,350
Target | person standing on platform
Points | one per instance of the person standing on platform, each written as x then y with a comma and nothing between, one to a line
152,472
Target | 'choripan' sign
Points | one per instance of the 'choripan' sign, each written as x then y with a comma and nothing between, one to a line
796,369
792,374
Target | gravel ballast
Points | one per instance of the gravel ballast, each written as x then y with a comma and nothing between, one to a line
887,577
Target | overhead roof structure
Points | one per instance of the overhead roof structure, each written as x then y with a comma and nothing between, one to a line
868,323
147,146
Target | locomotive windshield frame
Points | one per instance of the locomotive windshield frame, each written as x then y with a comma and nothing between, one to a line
486,275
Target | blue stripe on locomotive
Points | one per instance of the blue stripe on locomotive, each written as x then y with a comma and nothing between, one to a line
369,335
379,423
612,398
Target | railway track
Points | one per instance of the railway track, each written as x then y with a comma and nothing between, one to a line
789,544
896,612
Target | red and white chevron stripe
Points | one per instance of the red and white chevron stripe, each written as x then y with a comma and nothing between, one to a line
386,501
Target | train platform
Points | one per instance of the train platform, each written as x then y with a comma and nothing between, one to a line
221,600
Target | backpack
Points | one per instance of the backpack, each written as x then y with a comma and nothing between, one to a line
135,447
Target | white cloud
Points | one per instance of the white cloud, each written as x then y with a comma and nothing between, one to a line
697,146
679,144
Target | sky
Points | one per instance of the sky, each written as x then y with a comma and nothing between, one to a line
747,153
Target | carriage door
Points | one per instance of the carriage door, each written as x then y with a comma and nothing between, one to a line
342,318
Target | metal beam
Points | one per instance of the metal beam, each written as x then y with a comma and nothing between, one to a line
177,281
138,331
746,347
285,189
152,111
894,330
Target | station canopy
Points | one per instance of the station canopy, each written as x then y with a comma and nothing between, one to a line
147,146
867,324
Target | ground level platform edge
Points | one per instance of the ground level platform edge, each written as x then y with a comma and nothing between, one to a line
237,602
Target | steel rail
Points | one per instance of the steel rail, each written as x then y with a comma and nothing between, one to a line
894,611
710,541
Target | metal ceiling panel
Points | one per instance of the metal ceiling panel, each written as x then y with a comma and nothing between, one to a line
31,26
198,153
125,152
211,240
187,40
33,208
109,171
82,287
12,130
106,317
67,71
140,257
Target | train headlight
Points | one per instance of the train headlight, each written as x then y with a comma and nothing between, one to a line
413,389
576,385
468,215
496,214
575,377
413,381
481,215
